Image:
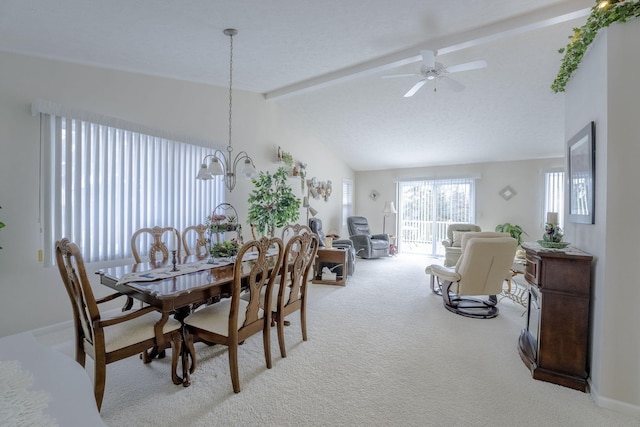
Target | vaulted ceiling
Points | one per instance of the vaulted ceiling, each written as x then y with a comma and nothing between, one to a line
322,62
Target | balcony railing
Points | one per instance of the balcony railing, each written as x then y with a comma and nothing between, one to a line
418,237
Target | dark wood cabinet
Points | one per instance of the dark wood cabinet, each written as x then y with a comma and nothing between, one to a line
555,343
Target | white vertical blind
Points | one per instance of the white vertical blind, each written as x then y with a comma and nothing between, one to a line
427,207
347,200
554,195
101,183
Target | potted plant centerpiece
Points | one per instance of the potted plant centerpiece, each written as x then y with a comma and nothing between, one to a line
217,224
272,203
552,237
223,251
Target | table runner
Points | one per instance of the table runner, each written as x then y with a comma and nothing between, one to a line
192,267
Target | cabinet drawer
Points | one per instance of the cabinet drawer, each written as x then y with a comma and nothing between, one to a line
532,270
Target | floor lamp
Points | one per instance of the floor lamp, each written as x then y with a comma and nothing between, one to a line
389,209
308,207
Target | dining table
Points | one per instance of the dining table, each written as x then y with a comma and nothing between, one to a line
177,289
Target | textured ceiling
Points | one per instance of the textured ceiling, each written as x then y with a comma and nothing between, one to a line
327,58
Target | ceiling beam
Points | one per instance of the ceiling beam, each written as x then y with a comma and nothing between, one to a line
541,18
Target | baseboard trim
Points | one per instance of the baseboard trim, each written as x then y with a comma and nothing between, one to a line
614,405
52,329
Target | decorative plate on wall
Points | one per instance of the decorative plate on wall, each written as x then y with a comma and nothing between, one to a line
507,192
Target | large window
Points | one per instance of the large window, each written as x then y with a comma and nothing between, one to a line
101,183
427,207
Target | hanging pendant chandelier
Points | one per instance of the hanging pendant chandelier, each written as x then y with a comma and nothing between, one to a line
222,164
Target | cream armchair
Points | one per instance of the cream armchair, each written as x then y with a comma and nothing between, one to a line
485,263
451,245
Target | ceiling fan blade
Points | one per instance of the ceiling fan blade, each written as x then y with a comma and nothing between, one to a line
415,88
428,59
391,76
451,84
474,65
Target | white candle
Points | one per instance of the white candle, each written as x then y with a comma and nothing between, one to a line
552,218
328,242
173,241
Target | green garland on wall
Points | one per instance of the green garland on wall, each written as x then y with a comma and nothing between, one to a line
603,14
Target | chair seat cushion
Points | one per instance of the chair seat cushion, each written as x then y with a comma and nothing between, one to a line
215,318
136,330
379,244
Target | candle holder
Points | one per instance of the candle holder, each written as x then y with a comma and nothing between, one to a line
173,261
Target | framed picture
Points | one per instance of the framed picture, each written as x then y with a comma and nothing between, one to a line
581,174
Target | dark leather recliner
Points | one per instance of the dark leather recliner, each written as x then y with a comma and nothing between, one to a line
316,226
367,245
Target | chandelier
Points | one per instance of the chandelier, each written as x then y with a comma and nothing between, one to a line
222,164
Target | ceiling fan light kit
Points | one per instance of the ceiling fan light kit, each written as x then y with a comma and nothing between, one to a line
435,71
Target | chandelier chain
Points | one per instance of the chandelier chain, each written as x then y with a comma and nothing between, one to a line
230,86
221,163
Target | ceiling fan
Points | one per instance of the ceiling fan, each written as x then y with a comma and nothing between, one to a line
432,70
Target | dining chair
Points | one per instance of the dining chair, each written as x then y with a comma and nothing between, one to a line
233,320
195,245
290,293
294,230
112,338
154,237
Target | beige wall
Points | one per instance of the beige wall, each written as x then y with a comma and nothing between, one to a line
524,209
604,89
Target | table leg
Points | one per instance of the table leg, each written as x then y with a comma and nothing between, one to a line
188,353
188,350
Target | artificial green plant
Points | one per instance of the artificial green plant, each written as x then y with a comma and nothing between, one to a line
272,203
603,14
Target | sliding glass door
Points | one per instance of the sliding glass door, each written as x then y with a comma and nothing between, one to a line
427,207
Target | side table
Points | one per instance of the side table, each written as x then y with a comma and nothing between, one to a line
331,258
393,245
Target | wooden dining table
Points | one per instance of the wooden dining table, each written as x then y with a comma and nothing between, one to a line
177,295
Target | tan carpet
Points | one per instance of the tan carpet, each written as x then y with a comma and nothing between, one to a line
382,351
